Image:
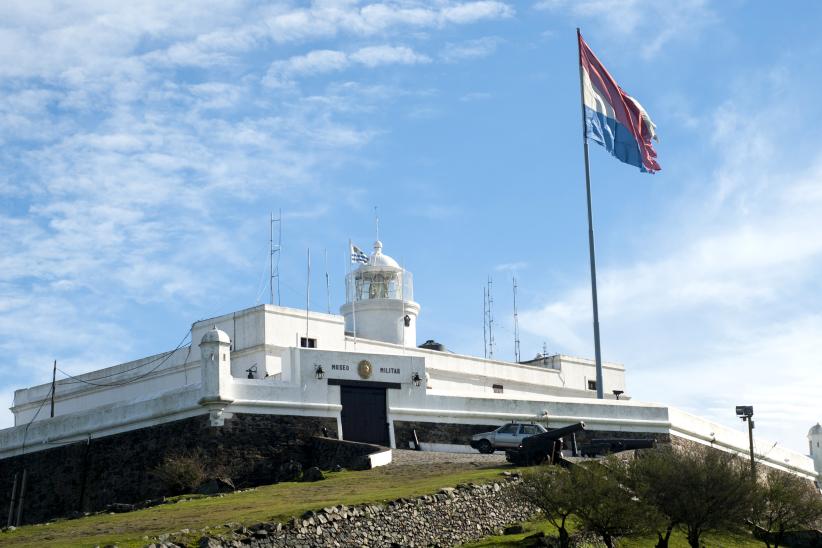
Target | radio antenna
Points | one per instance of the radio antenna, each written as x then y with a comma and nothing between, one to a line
490,320
516,324
485,322
274,263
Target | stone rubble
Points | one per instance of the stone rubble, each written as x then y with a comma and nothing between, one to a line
450,517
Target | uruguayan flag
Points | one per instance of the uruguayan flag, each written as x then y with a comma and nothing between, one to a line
358,255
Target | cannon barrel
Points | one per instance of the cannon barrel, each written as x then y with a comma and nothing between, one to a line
552,435
603,446
535,449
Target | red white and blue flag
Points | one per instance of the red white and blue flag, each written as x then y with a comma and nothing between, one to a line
613,118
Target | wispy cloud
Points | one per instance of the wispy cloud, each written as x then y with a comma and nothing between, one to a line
720,310
283,73
470,49
649,25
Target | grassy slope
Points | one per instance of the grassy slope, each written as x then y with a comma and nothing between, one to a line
678,540
272,502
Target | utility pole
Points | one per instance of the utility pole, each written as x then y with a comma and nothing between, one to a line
745,412
53,385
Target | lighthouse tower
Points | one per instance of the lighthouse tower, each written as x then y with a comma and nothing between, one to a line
379,302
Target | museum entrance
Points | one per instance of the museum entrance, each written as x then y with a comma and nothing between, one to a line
364,414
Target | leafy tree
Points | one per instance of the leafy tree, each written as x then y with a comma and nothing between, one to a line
550,489
785,503
604,504
696,489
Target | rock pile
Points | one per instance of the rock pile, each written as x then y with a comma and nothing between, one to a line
450,517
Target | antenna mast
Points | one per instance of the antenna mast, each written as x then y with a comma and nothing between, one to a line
377,221
490,320
327,281
485,322
274,266
516,325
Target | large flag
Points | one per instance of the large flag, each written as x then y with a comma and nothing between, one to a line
358,255
613,118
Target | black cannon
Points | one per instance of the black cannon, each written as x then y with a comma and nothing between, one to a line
598,447
536,449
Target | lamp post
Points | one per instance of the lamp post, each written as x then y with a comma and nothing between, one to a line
745,412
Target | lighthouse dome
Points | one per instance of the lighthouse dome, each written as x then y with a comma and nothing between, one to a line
378,258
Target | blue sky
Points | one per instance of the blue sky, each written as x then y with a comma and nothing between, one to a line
144,146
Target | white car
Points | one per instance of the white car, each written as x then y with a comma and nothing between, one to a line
507,435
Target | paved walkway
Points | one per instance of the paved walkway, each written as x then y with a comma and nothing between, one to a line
407,456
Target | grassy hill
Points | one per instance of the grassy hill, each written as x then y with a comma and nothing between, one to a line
269,503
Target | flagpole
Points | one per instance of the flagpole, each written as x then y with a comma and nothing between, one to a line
597,352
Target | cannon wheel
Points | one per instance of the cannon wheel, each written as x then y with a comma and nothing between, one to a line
485,447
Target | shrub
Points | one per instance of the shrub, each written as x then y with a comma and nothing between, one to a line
696,489
181,472
550,489
785,503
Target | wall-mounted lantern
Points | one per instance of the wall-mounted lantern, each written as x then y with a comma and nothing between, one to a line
407,320
416,379
319,373
252,371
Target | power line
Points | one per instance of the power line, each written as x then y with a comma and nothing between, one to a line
133,379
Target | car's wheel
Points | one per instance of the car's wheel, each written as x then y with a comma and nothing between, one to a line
485,447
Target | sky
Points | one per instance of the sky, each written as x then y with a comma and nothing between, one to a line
145,145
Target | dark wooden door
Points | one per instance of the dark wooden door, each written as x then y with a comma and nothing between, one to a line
364,414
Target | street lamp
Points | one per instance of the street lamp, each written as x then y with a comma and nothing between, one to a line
618,393
745,412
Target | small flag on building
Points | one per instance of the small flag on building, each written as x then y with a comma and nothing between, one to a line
613,118
358,255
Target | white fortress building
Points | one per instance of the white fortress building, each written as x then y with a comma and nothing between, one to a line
360,374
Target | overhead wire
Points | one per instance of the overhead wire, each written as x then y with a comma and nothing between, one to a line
165,358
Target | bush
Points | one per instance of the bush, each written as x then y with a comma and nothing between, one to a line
696,489
181,472
785,503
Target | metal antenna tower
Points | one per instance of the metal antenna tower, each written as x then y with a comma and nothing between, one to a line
490,320
516,325
274,267
485,322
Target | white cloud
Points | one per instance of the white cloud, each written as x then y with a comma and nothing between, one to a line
374,56
648,24
470,49
720,308
282,73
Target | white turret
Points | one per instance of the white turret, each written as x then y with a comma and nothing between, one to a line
815,444
379,302
215,367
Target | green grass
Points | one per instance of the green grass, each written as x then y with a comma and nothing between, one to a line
678,539
269,503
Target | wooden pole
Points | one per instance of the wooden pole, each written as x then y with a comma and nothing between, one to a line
22,497
13,500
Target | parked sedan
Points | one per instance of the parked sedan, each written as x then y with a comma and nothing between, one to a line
507,435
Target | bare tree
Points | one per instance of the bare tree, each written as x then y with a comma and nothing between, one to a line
785,503
697,489
604,504
551,490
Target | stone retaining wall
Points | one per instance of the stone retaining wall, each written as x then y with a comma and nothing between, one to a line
89,476
451,517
